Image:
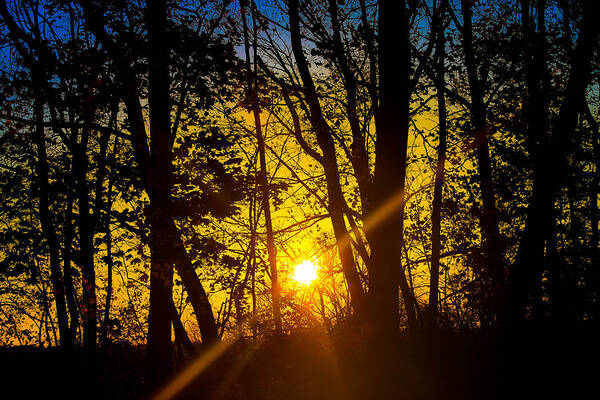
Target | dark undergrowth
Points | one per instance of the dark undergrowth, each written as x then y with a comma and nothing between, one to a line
538,363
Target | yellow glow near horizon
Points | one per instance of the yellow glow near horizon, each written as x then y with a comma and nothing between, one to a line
305,272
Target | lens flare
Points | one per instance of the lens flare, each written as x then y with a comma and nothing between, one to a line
305,272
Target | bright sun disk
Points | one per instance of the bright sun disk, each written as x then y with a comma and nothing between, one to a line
305,272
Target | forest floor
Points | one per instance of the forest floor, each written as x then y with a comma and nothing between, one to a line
539,364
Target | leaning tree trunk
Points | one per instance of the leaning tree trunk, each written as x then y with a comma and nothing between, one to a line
337,203
196,293
359,157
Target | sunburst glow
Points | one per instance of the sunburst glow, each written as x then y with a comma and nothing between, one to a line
305,272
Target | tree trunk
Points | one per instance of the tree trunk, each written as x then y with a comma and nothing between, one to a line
390,170
370,47
440,167
181,335
160,174
109,279
529,261
86,244
109,259
46,221
489,220
594,276
337,203
184,266
68,234
386,237
252,94
360,158
196,293
536,104
58,289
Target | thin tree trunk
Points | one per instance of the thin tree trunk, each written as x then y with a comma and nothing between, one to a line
86,245
253,293
440,167
109,258
370,45
196,293
47,320
594,276
58,289
252,217
252,93
46,221
99,203
359,159
87,228
68,234
109,278
489,219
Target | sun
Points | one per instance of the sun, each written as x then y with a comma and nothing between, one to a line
305,272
